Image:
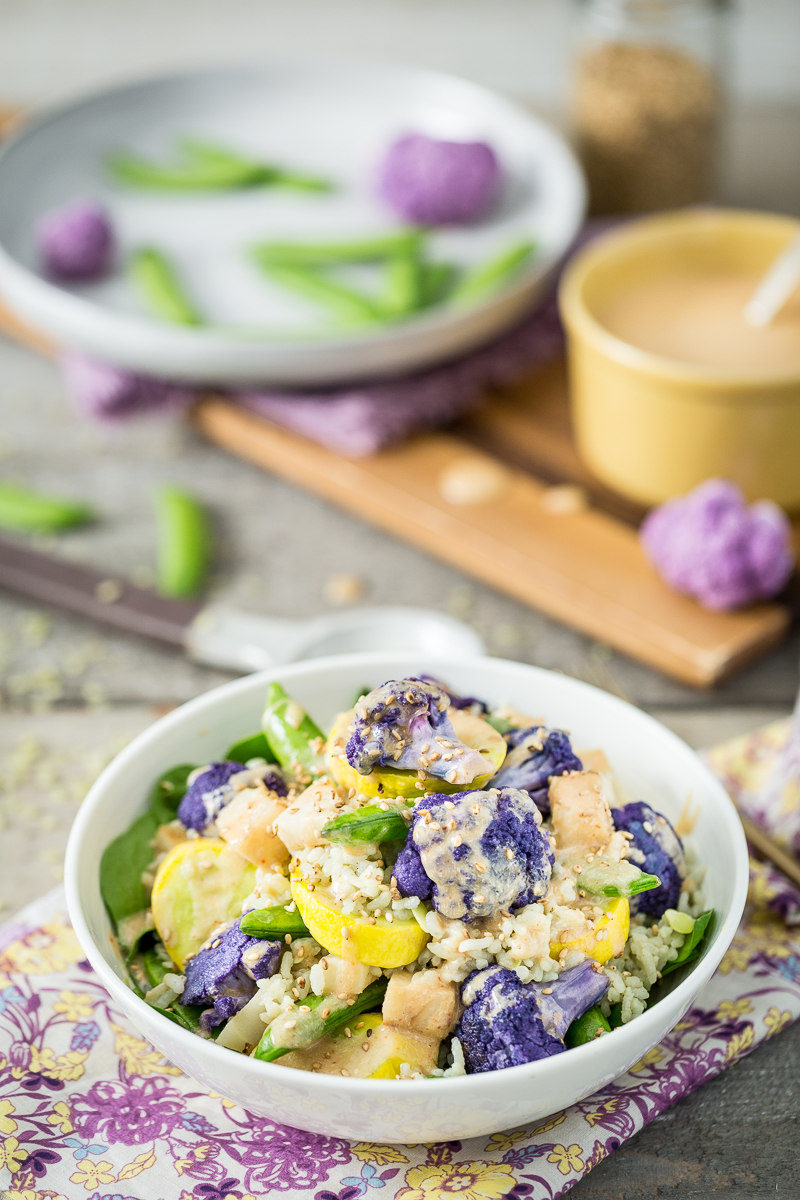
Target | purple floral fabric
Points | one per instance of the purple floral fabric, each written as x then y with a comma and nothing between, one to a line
88,1108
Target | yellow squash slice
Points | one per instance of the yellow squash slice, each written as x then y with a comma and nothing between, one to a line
609,936
353,938
368,1049
388,782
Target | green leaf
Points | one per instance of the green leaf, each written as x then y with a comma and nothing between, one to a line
168,791
691,949
255,746
500,724
26,511
369,824
184,542
591,1025
123,863
187,1015
274,922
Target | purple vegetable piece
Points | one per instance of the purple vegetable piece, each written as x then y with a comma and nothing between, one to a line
104,392
506,1023
431,182
76,242
432,867
711,545
657,850
456,701
208,794
535,754
225,975
396,720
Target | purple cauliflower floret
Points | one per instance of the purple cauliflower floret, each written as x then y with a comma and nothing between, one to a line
76,242
536,754
211,790
404,724
431,182
711,545
506,1023
108,393
224,973
475,853
657,850
479,707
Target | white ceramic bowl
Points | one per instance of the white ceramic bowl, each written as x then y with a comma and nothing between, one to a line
652,763
328,118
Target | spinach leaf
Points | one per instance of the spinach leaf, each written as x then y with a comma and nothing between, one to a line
168,792
187,1015
255,746
122,865
690,950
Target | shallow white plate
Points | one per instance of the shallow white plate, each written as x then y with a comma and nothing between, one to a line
328,119
651,763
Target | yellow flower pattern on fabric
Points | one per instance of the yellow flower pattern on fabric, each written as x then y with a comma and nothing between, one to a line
765,934
467,1180
12,1154
381,1156
603,1109
499,1143
653,1056
91,1173
7,1122
731,1010
74,1007
138,1056
740,1043
61,1116
46,951
66,1067
775,1021
567,1158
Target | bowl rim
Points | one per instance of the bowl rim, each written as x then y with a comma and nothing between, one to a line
58,305
682,993
643,231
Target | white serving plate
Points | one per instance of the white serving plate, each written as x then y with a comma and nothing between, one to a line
331,119
652,764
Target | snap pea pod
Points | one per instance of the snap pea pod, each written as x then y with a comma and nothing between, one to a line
187,1015
482,280
690,950
591,1025
342,301
184,542
327,254
211,154
255,746
614,879
26,511
160,289
291,733
403,285
273,922
191,177
370,824
282,1036
436,281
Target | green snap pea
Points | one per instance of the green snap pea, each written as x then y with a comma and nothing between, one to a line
205,166
211,154
26,511
614,879
343,302
326,254
370,824
291,733
310,1026
403,285
184,542
255,746
437,279
482,280
157,283
591,1025
273,922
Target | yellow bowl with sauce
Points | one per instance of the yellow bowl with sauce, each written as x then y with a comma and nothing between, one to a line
669,385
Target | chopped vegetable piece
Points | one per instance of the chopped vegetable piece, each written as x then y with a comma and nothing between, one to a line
76,242
588,1027
355,938
612,878
291,733
273,922
255,746
155,969
159,287
205,166
342,301
489,277
681,922
326,254
656,847
200,884
403,290
223,976
534,756
436,182
211,154
26,511
184,542
283,1036
122,866
367,1049
608,938
690,950
370,824
168,792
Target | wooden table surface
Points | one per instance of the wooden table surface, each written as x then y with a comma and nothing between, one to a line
73,694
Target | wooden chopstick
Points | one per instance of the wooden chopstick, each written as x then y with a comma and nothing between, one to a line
778,857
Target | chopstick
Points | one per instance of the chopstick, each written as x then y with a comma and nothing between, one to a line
764,845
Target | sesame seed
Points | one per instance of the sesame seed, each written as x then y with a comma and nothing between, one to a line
547,991
578,870
365,1045
447,757
348,1031
288,939
345,933
425,747
304,1008
326,1012
369,1033
509,853
290,1024
449,804
324,964
476,808
480,867
480,899
359,1024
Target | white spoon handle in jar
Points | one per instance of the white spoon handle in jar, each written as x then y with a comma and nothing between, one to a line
776,287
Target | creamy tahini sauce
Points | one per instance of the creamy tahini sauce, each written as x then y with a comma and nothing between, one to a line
493,888
698,317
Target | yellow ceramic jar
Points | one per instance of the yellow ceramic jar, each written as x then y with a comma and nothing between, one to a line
653,426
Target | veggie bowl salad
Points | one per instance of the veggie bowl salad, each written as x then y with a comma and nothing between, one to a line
438,887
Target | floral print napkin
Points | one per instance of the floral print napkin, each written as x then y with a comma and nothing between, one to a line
89,1109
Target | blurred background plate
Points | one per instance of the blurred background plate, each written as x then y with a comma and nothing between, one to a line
329,119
